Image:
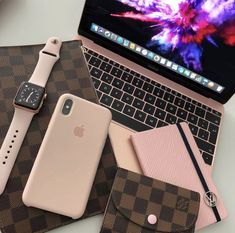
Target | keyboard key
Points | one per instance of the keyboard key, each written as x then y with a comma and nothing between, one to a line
171,109
140,116
150,98
208,159
118,83
173,92
203,134
124,68
168,89
161,124
96,83
137,82
182,114
192,119
149,109
171,119
194,102
148,87
117,105
151,121
134,73
127,98
155,83
161,103
168,97
212,118
129,122
116,93
138,104
200,112
91,52
214,130
88,56
99,94
127,77
179,102
164,88
216,113
101,57
203,123
145,78
139,93
158,92
178,94
105,67
105,59
205,146
116,72
128,110
128,88
107,100
188,99
105,88
205,107
184,97
96,73
194,129
107,78
114,63
189,107
94,61
160,114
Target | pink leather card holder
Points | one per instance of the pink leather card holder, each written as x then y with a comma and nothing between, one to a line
170,154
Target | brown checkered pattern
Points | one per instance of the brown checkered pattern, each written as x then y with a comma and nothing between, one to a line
69,75
134,197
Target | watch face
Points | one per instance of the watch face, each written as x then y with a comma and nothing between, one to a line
29,96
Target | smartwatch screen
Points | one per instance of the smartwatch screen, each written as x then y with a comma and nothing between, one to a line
29,96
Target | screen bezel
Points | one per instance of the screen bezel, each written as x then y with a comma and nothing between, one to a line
29,107
84,30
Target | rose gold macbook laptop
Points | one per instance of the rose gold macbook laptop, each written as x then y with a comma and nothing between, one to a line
156,63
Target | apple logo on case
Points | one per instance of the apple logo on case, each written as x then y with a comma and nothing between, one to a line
79,131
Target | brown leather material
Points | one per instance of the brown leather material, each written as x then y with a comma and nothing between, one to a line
69,75
135,197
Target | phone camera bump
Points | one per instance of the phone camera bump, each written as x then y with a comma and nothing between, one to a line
67,106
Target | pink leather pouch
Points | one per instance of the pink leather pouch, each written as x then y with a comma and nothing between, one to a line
170,154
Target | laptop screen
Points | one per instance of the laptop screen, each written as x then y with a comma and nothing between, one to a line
192,39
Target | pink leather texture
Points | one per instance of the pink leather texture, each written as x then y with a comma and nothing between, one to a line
162,155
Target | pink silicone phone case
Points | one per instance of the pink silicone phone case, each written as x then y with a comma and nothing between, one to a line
162,155
64,170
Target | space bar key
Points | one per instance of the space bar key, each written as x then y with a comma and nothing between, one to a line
128,122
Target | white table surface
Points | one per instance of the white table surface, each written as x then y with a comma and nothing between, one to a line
34,21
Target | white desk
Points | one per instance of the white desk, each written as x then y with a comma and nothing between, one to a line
33,21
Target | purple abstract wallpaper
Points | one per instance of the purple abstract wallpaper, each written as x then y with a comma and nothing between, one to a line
184,25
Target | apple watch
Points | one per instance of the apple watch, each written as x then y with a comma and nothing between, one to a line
28,101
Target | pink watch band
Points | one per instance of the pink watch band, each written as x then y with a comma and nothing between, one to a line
22,118
47,58
12,143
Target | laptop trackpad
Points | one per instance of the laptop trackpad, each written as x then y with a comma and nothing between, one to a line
122,147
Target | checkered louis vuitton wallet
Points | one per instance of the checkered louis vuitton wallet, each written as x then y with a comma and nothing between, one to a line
141,204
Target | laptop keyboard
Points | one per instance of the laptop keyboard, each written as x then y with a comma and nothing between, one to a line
141,103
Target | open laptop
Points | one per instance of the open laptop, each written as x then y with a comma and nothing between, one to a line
156,63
